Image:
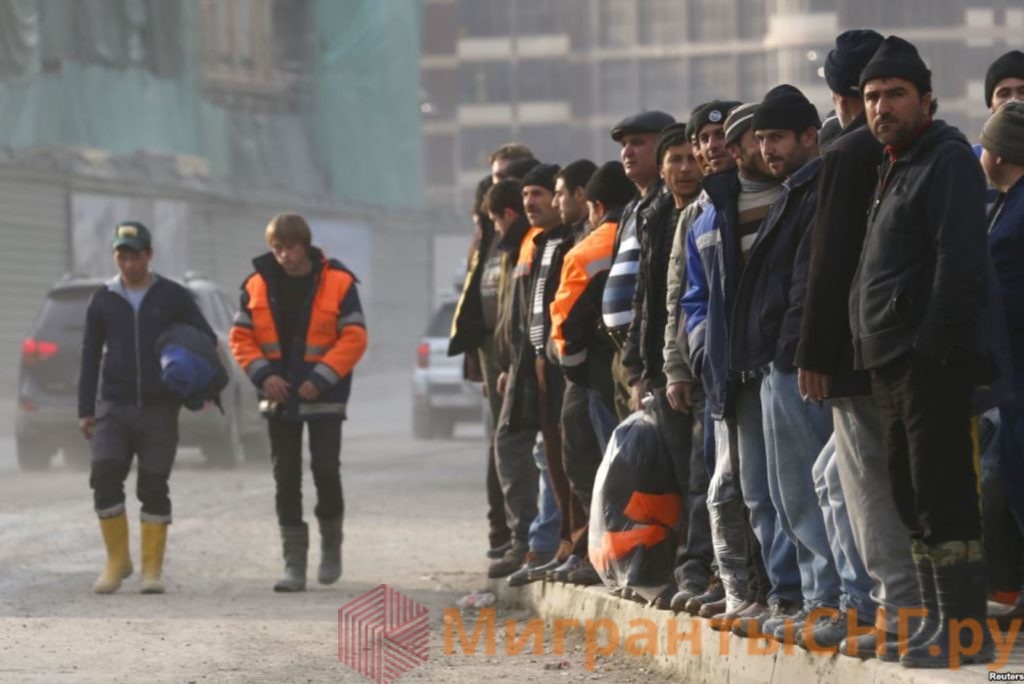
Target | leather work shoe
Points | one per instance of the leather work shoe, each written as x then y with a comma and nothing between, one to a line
715,592
496,552
561,572
585,576
533,560
542,572
509,563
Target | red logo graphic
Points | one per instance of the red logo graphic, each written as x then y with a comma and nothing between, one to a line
383,634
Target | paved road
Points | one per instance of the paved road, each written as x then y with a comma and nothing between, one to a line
415,521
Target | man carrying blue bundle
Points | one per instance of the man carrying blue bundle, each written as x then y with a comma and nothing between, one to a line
136,414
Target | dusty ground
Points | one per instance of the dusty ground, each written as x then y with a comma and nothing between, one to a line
415,521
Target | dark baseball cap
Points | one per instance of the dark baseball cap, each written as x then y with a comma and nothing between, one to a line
132,235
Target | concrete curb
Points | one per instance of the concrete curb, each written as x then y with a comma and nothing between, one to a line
722,657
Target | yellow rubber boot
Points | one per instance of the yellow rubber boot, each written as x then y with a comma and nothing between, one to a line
154,539
119,562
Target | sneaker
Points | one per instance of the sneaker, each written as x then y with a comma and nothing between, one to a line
714,592
532,561
496,552
509,563
585,576
560,573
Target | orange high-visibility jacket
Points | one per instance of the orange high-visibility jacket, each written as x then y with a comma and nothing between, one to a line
576,310
335,335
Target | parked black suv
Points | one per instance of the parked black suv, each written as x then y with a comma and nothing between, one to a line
47,420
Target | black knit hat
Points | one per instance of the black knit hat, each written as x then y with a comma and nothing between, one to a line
542,175
714,112
785,108
848,58
518,168
610,186
1010,65
896,58
674,134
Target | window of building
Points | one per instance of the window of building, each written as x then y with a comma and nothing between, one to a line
541,79
712,78
476,145
753,18
661,22
482,18
663,86
710,20
550,142
619,95
484,82
534,16
255,47
756,77
617,23
906,13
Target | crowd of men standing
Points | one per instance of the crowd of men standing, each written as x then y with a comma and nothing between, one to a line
819,314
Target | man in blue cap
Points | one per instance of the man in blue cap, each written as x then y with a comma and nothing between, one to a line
136,415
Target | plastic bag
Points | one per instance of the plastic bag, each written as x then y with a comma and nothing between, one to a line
636,510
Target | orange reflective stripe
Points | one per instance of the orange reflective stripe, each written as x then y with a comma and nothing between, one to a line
322,332
663,509
577,272
526,250
615,545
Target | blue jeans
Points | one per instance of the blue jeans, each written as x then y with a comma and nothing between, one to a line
855,582
545,528
778,551
795,432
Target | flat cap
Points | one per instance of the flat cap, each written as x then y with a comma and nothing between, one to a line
648,121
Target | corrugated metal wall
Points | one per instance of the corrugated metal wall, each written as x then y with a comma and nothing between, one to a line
224,236
34,253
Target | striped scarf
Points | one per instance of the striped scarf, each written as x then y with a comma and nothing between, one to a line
539,319
617,300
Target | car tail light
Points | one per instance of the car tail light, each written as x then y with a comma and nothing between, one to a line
29,406
423,355
35,351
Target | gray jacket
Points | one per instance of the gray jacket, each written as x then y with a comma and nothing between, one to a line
677,360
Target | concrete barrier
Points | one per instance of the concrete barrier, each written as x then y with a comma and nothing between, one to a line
705,655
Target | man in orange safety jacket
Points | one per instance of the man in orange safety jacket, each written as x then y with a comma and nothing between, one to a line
298,335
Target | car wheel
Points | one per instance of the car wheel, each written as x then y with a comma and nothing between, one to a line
77,457
33,455
224,451
422,423
256,447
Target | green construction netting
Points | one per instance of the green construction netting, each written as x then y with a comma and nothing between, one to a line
127,75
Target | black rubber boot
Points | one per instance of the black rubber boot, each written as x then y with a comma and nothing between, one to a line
961,593
295,542
330,550
920,629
